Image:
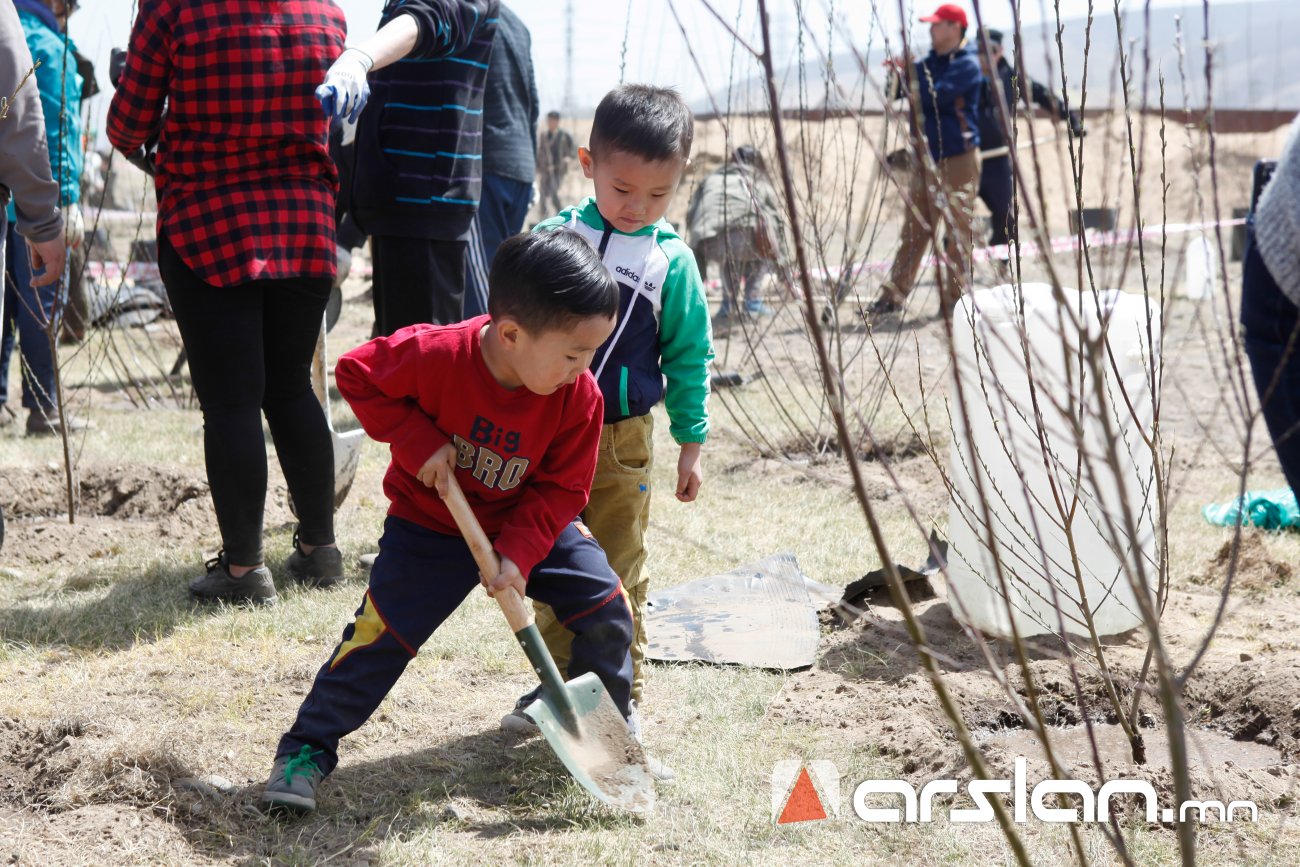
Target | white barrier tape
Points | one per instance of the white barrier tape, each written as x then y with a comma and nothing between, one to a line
113,271
1094,238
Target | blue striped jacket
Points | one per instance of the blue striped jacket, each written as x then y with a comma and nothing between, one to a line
416,170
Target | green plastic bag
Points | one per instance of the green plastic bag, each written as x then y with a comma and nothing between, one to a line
1268,510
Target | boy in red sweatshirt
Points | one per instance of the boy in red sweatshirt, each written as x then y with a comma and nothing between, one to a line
505,401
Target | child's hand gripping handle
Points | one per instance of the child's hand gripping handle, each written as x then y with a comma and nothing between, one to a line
518,613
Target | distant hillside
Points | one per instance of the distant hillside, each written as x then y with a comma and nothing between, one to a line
1249,40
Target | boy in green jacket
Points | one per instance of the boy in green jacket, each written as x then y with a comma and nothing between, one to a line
639,148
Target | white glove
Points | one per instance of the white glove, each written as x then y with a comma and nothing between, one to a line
345,91
74,226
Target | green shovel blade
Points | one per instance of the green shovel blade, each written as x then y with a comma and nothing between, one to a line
599,751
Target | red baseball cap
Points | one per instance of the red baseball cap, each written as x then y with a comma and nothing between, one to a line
947,12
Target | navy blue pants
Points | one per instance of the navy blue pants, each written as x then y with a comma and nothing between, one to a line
501,213
419,578
997,191
1270,322
27,312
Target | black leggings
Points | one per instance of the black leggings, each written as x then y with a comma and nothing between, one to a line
249,348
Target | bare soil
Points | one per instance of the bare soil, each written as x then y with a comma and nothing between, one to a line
115,505
867,691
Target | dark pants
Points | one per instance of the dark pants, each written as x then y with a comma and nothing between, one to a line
416,280
27,312
548,193
997,191
1270,323
501,213
249,350
419,578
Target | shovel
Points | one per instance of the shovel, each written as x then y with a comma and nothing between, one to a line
347,446
578,718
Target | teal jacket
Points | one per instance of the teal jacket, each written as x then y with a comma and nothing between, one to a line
58,81
663,330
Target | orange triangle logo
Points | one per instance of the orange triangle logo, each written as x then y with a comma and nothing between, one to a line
803,805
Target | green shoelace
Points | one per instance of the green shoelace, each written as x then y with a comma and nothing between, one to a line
300,764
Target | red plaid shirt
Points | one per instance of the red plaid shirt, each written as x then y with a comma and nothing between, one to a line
246,187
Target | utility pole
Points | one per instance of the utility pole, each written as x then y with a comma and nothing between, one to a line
568,59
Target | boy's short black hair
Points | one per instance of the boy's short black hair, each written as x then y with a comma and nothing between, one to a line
649,122
553,115
548,280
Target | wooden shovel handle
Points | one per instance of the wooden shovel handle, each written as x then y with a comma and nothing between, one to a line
518,614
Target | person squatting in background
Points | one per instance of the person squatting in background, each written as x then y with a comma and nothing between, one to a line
246,193
736,220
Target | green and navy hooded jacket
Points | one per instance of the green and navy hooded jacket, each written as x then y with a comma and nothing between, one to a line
59,83
416,169
663,330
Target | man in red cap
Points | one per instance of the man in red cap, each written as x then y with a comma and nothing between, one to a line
944,95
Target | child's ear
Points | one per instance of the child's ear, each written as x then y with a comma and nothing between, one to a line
508,332
585,160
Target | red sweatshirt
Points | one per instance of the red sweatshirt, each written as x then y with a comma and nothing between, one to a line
525,461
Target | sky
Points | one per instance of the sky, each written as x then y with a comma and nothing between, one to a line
657,52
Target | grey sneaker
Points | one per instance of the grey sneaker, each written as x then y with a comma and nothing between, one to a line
517,720
218,585
323,567
661,772
293,783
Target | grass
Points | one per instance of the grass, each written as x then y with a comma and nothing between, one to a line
162,690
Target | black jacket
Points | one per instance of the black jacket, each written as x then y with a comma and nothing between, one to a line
991,136
510,104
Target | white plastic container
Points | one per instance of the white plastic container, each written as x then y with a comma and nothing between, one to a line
1200,268
1031,375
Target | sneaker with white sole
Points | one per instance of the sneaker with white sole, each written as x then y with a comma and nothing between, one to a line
518,721
294,780
661,772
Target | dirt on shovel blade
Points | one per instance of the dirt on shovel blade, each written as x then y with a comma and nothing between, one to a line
603,755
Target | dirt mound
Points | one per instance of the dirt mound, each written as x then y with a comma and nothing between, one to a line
68,764
122,491
94,834
1257,570
1243,717
1252,700
30,761
120,506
